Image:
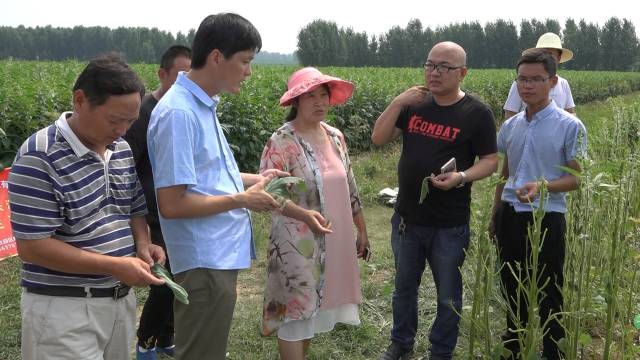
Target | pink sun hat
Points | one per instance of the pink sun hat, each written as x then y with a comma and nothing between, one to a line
307,79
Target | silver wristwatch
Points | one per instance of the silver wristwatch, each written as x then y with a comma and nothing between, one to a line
464,179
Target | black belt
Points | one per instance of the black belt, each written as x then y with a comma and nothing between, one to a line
115,293
508,204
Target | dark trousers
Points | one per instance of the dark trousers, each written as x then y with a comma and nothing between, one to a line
156,320
514,247
444,250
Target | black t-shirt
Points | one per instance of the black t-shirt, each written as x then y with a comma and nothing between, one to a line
137,139
431,135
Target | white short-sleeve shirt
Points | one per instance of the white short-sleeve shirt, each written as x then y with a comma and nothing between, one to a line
560,94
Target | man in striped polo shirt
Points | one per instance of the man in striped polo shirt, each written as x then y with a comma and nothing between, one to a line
77,211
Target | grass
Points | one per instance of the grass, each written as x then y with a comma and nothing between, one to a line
483,310
10,309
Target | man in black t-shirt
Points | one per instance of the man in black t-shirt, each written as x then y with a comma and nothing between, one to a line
155,333
437,123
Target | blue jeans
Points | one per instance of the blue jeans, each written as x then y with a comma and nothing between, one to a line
444,249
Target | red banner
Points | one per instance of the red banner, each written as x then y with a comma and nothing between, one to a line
7,241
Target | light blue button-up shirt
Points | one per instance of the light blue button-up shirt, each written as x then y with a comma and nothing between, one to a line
187,147
536,149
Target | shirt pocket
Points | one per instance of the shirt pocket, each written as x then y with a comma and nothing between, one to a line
122,187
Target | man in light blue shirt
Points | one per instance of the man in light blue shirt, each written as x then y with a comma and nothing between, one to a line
537,144
200,191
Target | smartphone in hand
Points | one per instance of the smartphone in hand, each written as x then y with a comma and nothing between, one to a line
449,166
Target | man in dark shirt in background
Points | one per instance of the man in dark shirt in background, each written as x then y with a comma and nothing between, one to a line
155,332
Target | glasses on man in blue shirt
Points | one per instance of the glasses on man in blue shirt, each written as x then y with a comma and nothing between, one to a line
536,80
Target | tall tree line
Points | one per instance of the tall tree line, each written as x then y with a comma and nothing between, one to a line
138,44
497,44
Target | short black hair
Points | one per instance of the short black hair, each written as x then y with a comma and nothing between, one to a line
173,52
227,32
108,75
539,56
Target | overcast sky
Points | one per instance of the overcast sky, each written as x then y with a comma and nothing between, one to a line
280,21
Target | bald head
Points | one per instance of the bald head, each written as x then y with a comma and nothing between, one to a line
453,52
444,71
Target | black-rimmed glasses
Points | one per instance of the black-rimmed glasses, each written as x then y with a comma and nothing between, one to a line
440,68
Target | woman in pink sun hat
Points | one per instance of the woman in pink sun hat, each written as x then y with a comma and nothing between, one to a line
313,279
306,79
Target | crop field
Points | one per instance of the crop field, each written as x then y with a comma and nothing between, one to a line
32,94
602,265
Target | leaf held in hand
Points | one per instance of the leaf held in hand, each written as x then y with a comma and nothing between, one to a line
178,291
285,187
424,189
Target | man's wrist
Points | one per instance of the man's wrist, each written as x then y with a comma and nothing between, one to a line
463,178
544,183
110,264
239,200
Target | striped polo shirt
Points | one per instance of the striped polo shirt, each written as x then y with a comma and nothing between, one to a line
59,188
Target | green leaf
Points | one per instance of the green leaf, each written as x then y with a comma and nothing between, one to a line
563,345
569,170
424,189
534,356
584,339
607,186
500,352
599,299
285,187
178,291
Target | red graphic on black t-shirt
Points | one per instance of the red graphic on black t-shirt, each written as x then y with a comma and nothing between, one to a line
418,125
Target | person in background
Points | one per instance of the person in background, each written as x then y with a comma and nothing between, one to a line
155,332
77,213
561,93
436,123
313,279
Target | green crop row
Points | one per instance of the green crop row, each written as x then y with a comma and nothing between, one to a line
32,95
